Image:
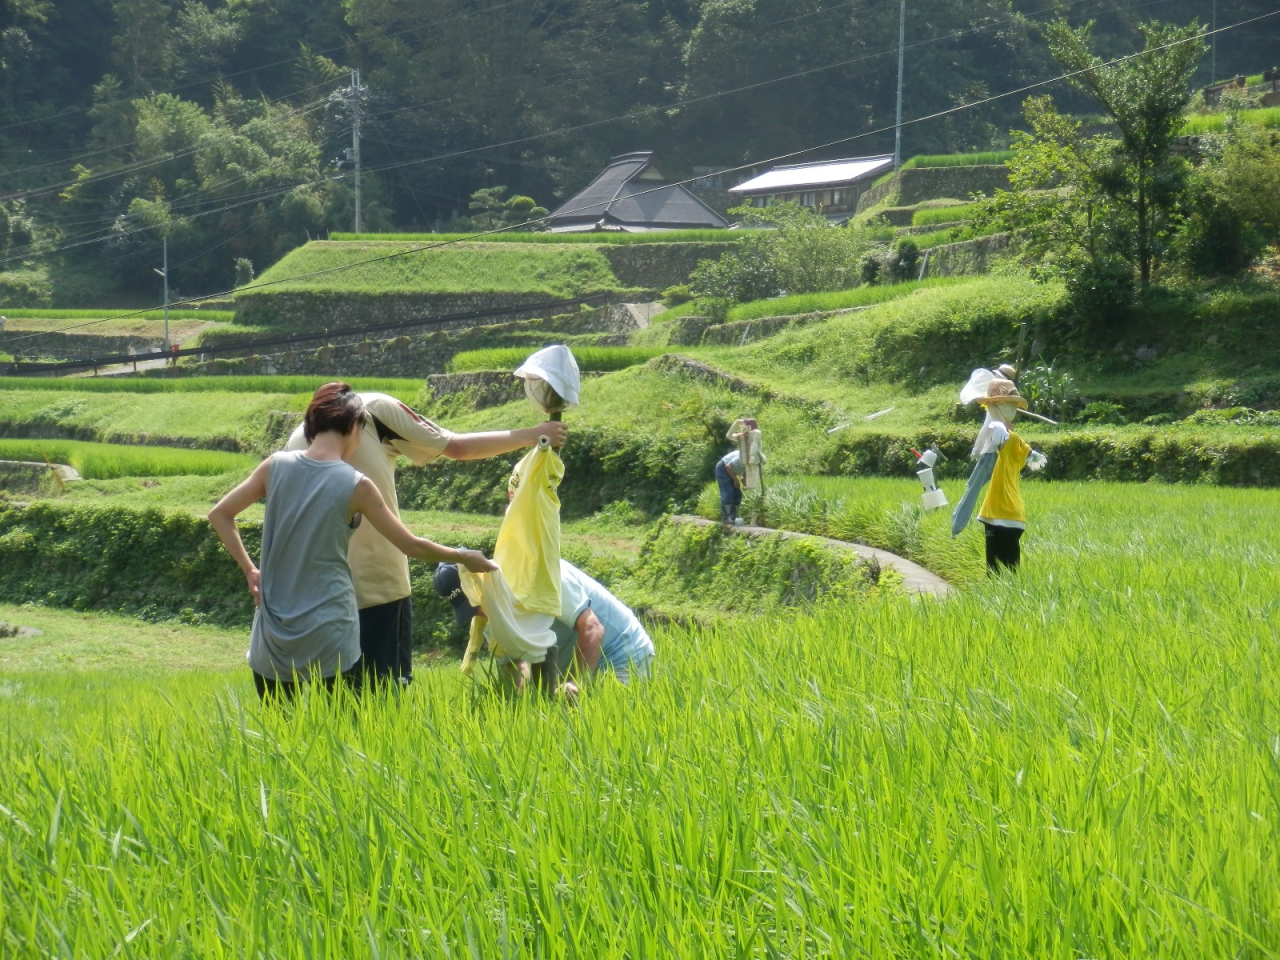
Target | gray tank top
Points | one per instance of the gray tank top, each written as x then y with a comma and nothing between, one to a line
307,623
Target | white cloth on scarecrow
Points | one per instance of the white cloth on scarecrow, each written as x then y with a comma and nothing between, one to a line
513,632
552,367
522,598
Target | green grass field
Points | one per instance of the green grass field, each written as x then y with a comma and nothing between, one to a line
557,270
229,384
106,461
1079,761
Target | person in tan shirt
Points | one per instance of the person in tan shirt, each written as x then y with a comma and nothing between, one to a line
379,569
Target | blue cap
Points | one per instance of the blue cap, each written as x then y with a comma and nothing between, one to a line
449,585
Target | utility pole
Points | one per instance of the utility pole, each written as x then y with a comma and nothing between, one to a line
902,42
164,272
1213,46
356,90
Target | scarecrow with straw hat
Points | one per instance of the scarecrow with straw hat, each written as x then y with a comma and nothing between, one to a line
1001,455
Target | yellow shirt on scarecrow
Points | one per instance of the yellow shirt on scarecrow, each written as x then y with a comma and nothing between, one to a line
1003,502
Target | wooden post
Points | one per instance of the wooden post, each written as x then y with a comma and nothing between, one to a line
546,675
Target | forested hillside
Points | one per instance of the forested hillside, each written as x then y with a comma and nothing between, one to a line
217,122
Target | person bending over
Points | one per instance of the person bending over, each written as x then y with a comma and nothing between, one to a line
380,570
306,626
729,475
594,629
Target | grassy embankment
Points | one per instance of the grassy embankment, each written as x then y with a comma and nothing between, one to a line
557,270
1075,762
612,239
909,354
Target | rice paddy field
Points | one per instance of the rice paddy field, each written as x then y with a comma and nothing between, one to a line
107,461
1082,760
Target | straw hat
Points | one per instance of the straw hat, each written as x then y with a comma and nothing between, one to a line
1003,391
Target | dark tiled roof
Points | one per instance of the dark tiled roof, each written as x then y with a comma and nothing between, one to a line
618,197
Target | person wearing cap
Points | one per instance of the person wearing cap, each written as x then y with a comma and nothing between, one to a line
594,628
380,571
1002,513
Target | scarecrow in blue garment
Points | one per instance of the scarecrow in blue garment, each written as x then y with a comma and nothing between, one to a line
998,394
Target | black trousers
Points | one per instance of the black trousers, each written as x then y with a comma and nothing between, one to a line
272,690
1003,548
386,642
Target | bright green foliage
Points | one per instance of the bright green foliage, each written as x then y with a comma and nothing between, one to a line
1076,762
1100,212
597,359
104,461
557,271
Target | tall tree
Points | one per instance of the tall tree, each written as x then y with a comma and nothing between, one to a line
1146,97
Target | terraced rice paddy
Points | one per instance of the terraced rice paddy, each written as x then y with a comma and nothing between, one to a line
1080,761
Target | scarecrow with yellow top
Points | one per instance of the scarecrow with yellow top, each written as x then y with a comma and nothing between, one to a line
1001,456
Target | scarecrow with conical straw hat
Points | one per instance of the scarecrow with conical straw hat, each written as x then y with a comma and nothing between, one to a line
1001,456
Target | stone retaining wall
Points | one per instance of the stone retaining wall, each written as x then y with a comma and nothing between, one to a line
967,258
79,346
316,311
656,266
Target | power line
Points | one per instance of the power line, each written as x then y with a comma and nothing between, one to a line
471,238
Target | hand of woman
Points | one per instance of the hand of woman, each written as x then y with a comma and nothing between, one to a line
476,562
253,577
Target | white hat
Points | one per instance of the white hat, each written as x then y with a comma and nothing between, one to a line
553,367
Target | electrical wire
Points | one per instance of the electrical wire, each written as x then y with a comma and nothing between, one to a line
471,238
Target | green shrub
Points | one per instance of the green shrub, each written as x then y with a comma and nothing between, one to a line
714,570
1103,412
24,288
676,295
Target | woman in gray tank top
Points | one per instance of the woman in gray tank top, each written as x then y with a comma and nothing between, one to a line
306,626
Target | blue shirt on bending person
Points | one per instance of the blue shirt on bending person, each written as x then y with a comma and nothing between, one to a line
603,629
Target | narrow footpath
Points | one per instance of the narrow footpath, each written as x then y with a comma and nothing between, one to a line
915,578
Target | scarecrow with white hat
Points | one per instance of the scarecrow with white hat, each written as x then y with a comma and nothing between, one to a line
1001,455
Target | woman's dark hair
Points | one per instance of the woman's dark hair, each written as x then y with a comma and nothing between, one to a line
337,407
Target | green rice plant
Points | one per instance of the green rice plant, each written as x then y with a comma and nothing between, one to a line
232,384
978,159
1200,124
1076,761
944,214
106,461
593,359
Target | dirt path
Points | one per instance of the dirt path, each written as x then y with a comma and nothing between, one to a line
915,578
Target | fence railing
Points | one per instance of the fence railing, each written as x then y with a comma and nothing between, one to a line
544,308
